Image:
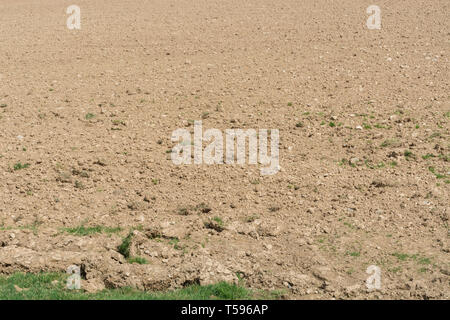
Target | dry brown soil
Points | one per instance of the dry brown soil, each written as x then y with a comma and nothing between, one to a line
86,119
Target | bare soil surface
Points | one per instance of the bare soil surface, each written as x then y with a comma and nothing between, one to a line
86,118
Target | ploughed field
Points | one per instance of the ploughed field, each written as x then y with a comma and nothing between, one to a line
363,173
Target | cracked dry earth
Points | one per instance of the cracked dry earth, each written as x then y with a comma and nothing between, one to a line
87,115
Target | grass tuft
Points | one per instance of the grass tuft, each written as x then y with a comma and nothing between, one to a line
51,286
124,247
20,166
86,231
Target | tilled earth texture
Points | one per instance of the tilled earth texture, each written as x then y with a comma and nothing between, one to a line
359,208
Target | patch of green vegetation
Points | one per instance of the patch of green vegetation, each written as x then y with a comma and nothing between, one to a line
289,104
86,231
409,155
401,256
369,165
367,126
215,223
332,124
124,247
219,221
354,253
395,270
175,243
299,124
117,122
138,260
33,227
428,156
52,286
436,174
20,166
89,116
422,260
